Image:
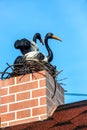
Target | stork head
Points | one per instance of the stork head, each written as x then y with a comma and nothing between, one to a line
52,36
37,36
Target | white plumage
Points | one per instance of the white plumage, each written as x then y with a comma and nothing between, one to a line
35,56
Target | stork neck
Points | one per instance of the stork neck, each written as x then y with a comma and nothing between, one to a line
50,53
34,39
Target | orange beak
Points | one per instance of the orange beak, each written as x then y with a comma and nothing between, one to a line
57,38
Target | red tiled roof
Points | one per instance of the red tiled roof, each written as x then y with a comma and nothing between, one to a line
71,116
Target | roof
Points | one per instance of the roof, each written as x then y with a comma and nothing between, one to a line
72,116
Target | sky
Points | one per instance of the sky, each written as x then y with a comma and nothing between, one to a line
66,19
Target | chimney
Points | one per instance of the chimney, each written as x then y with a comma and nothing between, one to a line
28,98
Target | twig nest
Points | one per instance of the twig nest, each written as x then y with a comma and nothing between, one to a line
33,66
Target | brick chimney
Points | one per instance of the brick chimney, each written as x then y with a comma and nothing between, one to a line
28,98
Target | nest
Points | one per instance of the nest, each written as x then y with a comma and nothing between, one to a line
27,67
32,67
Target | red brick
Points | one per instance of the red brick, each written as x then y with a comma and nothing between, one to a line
24,104
7,82
23,87
51,86
23,121
61,90
38,75
3,125
23,114
49,77
49,103
23,78
43,117
43,83
7,99
3,109
49,94
43,101
22,90
61,98
39,111
39,92
3,91
1,82
7,117
23,96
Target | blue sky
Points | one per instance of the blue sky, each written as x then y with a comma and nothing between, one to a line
65,18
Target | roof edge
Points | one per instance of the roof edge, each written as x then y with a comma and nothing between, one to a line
72,105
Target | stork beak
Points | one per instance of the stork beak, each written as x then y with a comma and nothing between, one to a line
57,38
41,41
